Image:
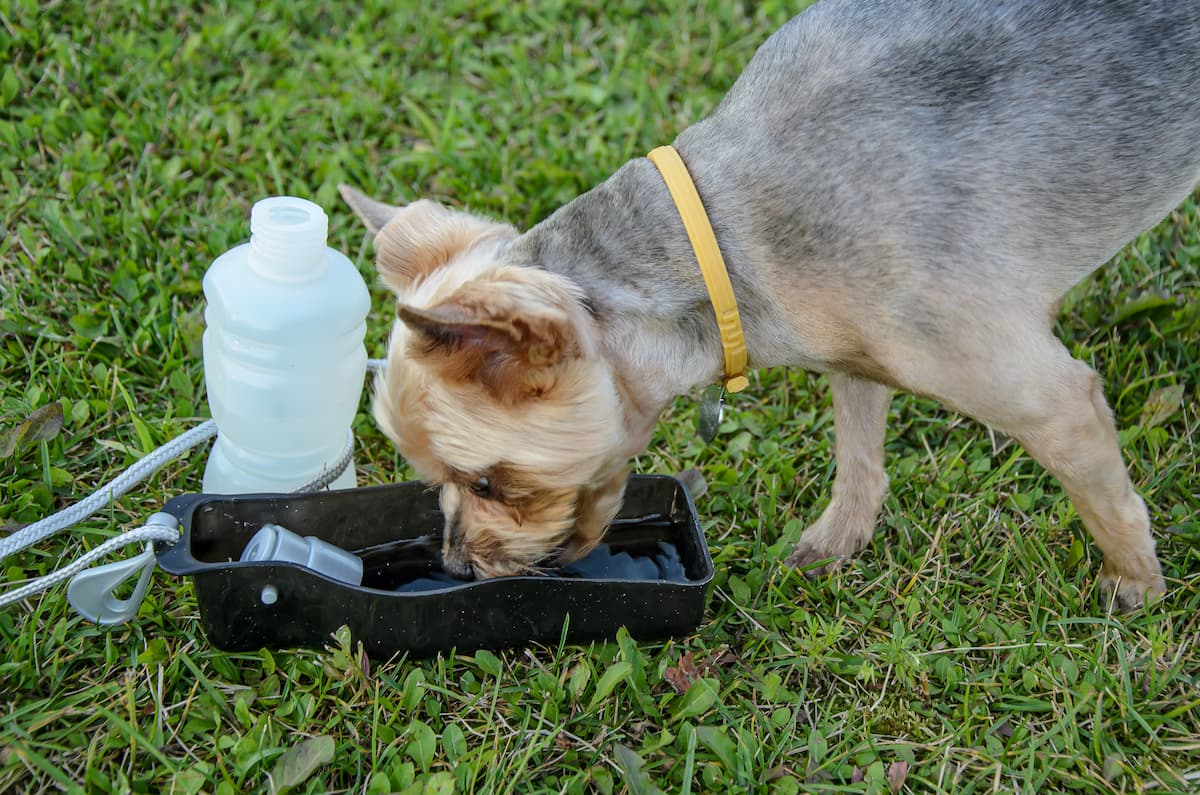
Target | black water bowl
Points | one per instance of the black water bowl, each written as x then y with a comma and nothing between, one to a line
251,605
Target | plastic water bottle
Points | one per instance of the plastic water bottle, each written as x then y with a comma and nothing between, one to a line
283,352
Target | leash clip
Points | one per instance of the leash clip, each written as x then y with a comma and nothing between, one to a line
712,409
91,592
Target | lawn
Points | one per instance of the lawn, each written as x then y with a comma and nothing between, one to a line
967,650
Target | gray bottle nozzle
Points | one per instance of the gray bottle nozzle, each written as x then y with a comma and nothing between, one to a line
275,543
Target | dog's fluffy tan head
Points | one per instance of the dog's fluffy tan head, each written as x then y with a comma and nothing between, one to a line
494,391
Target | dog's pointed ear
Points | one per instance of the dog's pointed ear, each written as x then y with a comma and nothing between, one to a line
374,214
507,330
417,239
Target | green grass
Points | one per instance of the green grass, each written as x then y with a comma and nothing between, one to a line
966,650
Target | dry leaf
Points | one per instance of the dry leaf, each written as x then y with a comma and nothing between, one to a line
40,426
896,774
682,676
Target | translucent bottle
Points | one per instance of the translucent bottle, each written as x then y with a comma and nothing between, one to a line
283,352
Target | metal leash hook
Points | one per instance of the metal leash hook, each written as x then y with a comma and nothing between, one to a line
712,410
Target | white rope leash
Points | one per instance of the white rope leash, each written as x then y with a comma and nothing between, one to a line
106,494
109,492
40,584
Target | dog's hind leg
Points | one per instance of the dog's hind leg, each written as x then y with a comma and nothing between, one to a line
859,421
1029,387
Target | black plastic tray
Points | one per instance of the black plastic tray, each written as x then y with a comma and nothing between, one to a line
491,614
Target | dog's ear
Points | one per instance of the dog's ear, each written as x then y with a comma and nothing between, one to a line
507,329
374,214
594,511
414,240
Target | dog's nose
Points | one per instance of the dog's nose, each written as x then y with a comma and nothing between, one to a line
454,554
458,568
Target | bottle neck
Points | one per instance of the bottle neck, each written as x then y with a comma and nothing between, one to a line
287,239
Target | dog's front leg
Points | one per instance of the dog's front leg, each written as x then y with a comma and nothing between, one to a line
859,420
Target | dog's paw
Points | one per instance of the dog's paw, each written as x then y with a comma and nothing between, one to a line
1130,593
835,537
813,561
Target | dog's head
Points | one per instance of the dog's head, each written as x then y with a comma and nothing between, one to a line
494,391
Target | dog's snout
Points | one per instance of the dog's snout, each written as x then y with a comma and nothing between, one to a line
455,560
458,568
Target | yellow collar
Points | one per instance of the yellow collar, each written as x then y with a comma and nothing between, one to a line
712,265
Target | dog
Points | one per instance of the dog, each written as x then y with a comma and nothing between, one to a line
902,192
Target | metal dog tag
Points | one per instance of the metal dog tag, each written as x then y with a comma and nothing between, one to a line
712,408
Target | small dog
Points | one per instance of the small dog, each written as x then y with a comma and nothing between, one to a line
902,191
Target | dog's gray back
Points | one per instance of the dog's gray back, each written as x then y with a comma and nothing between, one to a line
1019,140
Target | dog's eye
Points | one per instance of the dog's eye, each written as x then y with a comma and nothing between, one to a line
481,488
